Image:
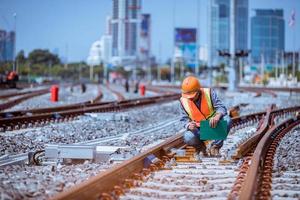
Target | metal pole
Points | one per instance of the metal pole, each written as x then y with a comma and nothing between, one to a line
149,70
15,40
159,63
80,68
197,41
91,72
172,61
299,61
105,72
181,64
276,69
294,49
241,69
282,62
210,53
49,68
135,70
28,75
232,69
262,66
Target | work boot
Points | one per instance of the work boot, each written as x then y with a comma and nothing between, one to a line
201,149
214,151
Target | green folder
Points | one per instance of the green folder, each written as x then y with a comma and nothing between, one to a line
208,133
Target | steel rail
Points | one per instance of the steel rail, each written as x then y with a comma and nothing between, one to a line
28,120
108,180
277,89
95,101
159,90
260,89
22,158
245,151
258,179
5,96
245,147
92,103
14,102
118,94
114,180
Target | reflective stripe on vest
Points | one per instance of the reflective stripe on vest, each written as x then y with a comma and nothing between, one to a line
206,107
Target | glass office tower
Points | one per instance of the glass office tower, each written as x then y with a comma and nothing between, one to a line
220,27
267,35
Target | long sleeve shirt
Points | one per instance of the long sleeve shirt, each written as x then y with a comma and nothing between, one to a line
218,105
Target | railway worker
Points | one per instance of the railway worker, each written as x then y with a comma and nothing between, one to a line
127,85
197,104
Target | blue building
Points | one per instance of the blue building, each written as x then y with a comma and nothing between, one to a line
267,35
7,43
220,27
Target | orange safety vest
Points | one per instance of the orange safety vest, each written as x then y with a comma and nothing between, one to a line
206,107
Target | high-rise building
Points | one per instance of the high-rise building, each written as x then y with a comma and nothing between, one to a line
145,39
2,45
125,24
100,51
267,35
220,27
108,28
7,43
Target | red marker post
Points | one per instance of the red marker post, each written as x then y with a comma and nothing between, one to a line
142,90
54,93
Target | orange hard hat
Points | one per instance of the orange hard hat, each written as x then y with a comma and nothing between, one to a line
190,86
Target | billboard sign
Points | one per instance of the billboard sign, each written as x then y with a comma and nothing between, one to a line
145,25
185,43
185,35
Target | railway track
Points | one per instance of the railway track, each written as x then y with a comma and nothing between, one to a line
22,158
258,182
24,97
5,96
118,94
268,90
172,170
36,117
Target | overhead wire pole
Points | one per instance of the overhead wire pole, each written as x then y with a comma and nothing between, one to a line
262,66
276,69
209,60
294,50
299,61
282,62
197,41
173,51
232,68
148,54
159,63
15,30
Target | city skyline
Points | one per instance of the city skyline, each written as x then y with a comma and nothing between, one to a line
267,35
220,28
72,26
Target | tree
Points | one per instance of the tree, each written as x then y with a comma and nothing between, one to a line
21,59
41,56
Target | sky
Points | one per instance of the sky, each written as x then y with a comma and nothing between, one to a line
69,27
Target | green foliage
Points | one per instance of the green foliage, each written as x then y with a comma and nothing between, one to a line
265,81
221,79
40,56
165,72
5,67
20,58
